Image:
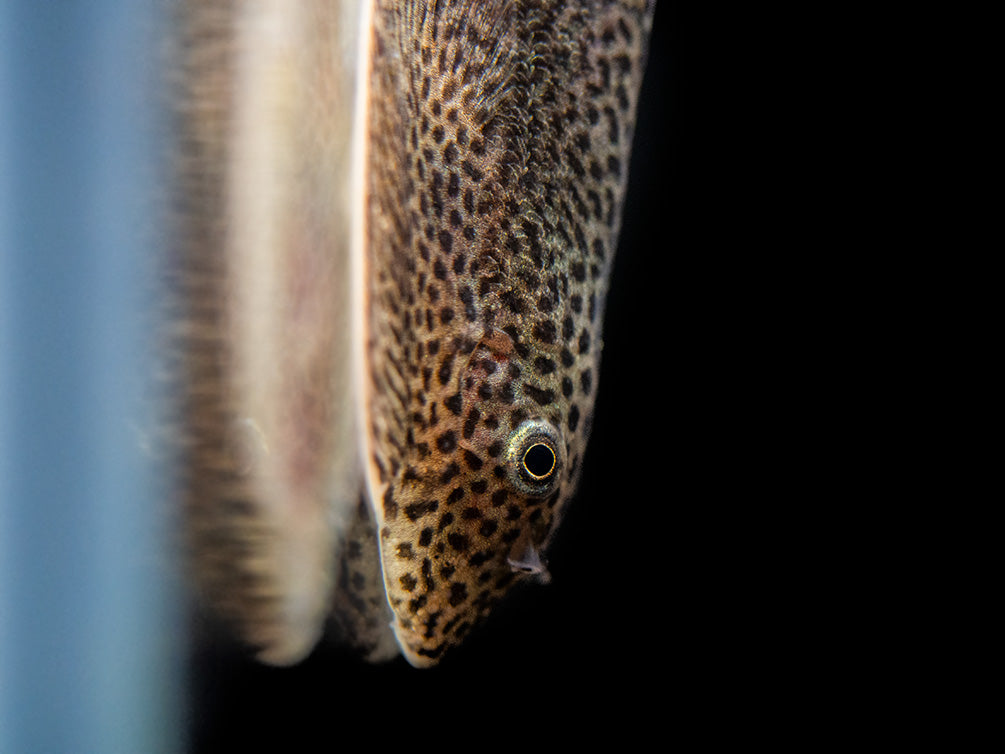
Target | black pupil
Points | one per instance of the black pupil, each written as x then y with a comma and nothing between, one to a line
539,460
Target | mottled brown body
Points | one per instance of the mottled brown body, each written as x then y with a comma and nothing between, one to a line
499,137
416,371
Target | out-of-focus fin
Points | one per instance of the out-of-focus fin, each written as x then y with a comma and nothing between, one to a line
269,449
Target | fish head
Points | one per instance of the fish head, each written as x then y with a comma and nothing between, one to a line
471,517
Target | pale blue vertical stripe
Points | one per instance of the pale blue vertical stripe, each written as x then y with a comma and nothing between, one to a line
89,645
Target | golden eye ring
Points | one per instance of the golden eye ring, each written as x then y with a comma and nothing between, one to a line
539,461
535,457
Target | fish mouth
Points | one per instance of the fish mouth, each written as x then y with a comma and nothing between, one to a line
414,648
423,646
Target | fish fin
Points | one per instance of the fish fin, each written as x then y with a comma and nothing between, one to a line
529,561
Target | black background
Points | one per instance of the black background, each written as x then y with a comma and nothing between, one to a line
661,614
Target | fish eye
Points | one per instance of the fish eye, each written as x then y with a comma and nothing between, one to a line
539,461
534,458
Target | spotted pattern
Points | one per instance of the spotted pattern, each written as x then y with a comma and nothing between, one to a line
497,143
360,614
499,140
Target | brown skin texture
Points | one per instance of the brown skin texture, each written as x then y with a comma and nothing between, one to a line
499,136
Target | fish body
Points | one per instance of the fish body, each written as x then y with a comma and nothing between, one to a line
392,309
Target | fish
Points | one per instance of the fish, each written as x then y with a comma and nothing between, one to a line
395,224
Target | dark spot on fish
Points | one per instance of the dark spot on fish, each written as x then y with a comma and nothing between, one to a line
415,511
447,442
544,365
445,520
567,387
454,403
573,418
449,473
540,396
458,593
408,582
545,331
